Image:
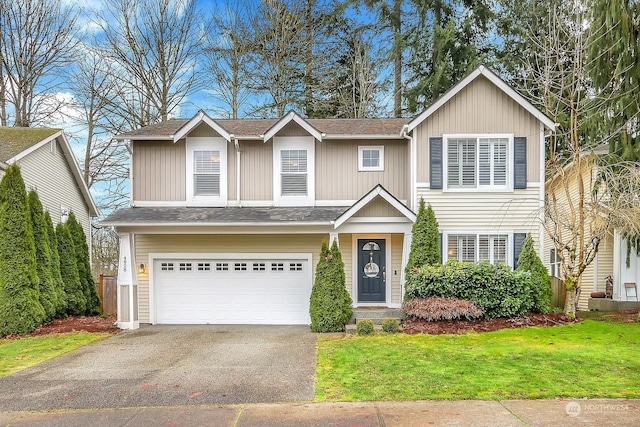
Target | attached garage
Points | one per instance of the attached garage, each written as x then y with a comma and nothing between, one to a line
231,289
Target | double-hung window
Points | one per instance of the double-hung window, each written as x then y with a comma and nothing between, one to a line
554,263
293,169
477,162
490,248
206,173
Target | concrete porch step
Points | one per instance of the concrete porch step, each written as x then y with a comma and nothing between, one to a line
376,314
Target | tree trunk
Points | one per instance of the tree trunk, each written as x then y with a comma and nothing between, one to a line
573,293
398,46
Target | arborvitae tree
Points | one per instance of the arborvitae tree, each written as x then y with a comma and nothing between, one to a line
540,280
48,296
20,308
84,266
76,301
425,243
58,284
330,306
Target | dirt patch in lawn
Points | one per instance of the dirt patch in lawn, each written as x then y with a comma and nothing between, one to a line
78,323
415,326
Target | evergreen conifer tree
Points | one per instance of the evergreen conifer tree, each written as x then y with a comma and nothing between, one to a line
84,265
425,242
58,284
20,308
76,301
330,306
48,296
540,280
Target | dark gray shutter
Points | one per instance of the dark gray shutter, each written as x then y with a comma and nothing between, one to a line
518,240
440,248
435,167
520,162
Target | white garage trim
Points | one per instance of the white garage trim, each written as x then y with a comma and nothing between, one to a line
153,257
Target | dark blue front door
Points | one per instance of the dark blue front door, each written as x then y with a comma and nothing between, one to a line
372,270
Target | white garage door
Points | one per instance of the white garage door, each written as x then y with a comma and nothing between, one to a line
232,291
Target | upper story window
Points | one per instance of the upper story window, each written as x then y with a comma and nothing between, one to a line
206,171
294,171
293,167
371,158
478,247
554,263
477,162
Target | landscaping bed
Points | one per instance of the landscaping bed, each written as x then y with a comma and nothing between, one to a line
74,324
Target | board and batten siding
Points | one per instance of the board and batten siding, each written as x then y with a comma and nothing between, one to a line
480,108
159,171
378,207
50,175
228,244
338,178
256,170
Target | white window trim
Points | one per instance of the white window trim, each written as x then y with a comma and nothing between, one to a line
206,143
488,189
361,167
294,143
476,233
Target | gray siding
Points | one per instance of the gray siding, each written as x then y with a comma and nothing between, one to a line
159,171
50,175
338,178
480,108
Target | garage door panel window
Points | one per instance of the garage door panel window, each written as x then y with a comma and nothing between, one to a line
277,266
204,266
259,266
166,266
295,266
240,266
185,266
222,266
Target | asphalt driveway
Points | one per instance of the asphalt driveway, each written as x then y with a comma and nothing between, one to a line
172,365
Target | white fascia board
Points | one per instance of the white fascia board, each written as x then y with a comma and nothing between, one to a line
292,116
201,117
212,224
73,166
143,138
353,136
493,78
378,190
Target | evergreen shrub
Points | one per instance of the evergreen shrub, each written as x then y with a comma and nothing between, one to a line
540,280
364,327
390,325
493,288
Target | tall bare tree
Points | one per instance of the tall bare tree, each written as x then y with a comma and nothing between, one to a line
279,53
37,41
154,45
228,58
578,213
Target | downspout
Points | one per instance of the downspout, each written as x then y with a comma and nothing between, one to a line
128,145
238,153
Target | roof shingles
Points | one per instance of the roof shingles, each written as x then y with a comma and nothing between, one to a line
14,140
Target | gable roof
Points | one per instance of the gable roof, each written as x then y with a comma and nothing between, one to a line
200,117
292,116
378,190
14,140
257,128
497,81
16,143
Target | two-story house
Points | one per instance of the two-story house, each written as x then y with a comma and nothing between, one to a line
227,217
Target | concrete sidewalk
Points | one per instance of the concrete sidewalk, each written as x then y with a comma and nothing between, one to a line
596,412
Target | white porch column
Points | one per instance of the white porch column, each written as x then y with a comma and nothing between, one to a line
127,285
618,259
406,248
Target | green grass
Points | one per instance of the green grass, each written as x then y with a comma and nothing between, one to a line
24,352
589,359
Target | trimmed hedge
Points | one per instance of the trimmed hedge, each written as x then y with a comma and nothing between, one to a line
61,299
76,301
365,327
84,266
494,289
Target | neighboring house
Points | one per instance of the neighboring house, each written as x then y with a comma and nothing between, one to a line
227,217
48,165
611,258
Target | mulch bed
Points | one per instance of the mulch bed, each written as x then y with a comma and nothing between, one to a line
78,323
416,326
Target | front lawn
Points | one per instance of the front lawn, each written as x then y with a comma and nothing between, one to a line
21,353
589,359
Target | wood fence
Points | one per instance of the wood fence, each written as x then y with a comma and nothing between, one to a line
559,292
108,291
